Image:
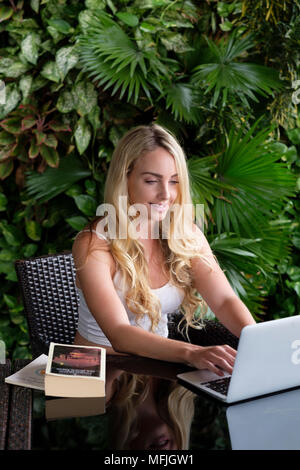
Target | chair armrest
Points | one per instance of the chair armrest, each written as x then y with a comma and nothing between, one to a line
212,334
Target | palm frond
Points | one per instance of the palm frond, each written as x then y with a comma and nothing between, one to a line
115,61
54,181
204,187
261,183
224,74
180,98
249,263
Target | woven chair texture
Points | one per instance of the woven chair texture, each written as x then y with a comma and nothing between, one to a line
211,334
50,299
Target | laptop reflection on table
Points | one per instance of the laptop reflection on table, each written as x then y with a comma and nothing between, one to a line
269,423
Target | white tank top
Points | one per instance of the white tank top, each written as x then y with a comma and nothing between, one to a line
170,298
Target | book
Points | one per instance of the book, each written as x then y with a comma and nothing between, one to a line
63,408
32,375
75,371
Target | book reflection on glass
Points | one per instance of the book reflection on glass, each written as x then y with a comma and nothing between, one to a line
62,408
75,371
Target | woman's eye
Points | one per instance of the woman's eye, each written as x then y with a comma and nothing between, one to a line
174,182
150,181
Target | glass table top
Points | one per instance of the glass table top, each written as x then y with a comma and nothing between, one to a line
146,408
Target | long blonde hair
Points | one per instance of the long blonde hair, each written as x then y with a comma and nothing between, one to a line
128,252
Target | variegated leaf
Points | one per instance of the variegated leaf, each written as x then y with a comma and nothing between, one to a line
66,59
85,96
5,169
30,47
25,85
12,68
65,102
12,99
50,155
51,72
82,135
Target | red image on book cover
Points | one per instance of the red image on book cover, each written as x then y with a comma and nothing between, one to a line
71,360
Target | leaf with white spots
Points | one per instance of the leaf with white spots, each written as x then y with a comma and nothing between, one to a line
51,72
82,135
66,59
86,97
12,99
65,102
11,67
30,47
25,85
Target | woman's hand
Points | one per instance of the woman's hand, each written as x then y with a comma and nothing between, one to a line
214,358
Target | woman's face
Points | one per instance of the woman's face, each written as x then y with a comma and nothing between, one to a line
154,183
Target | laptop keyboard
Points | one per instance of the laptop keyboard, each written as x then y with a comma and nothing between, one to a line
219,385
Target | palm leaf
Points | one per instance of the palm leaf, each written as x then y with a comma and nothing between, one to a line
115,61
180,98
223,74
249,263
204,187
55,181
261,182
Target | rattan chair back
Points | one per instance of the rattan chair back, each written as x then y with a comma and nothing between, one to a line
50,299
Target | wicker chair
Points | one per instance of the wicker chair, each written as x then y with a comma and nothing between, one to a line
50,299
51,305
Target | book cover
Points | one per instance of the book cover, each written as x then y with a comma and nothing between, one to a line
75,371
32,375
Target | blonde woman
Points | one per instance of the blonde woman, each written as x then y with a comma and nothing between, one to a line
141,260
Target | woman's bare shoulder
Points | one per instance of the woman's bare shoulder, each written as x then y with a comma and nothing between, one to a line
89,244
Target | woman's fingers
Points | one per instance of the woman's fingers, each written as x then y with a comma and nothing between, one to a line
218,359
210,366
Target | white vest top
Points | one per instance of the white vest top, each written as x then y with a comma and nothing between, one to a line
170,298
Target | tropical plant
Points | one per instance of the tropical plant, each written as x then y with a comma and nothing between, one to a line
237,187
221,72
79,74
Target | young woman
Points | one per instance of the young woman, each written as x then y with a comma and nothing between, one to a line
133,268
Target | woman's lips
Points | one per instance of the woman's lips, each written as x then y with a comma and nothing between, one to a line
159,207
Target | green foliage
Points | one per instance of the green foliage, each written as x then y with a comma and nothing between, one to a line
222,73
79,74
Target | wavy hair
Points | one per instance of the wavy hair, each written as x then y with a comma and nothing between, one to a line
178,250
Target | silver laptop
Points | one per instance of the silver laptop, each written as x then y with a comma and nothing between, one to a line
267,361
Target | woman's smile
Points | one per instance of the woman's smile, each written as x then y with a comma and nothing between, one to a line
161,207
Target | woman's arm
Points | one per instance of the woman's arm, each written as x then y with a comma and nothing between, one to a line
95,279
216,291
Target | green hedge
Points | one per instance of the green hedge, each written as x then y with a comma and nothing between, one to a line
77,75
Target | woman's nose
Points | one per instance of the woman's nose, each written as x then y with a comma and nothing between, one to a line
164,191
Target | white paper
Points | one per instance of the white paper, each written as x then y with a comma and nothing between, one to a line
32,375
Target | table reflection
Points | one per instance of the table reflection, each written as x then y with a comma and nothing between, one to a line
145,408
269,423
141,411
149,413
